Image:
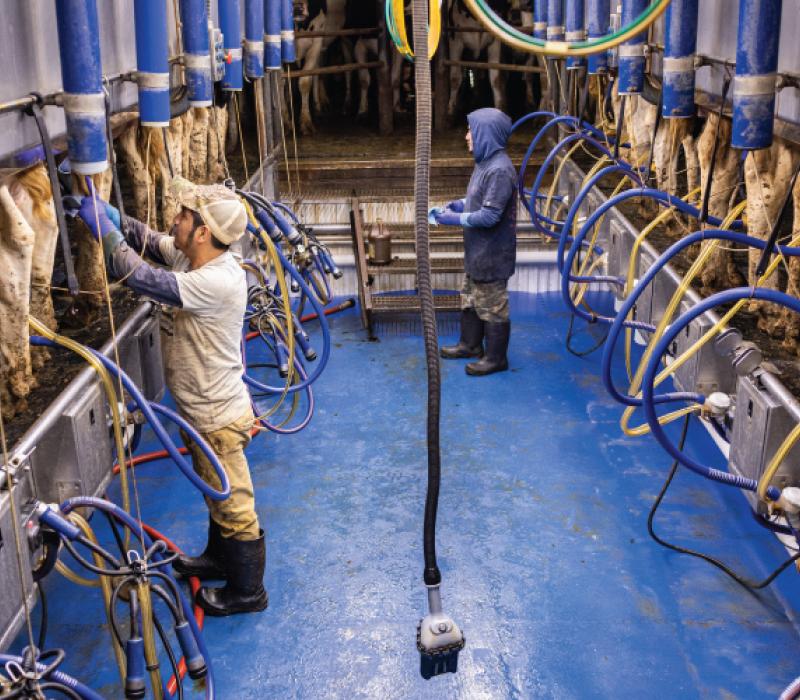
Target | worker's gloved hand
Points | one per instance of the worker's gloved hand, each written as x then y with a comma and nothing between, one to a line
451,218
113,213
457,205
94,215
433,212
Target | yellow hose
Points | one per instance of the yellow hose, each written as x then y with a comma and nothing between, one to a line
149,638
666,318
111,395
772,468
104,582
434,30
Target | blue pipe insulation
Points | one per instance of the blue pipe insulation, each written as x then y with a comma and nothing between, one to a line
631,52
680,43
196,53
152,62
540,19
128,521
575,30
288,54
729,296
555,20
659,264
82,76
230,23
84,691
754,83
326,336
254,39
598,14
149,410
272,34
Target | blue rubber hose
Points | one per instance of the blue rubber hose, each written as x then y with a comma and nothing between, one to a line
662,198
126,519
149,410
59,677
309,409
578,201
729,296
659,264
326,336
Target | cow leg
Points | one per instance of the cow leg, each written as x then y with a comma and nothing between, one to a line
397,78
456,76
361,55
495,77
347,57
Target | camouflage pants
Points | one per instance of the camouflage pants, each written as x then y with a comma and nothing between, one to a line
489,299
236,515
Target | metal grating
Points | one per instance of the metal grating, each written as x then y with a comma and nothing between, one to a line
402,303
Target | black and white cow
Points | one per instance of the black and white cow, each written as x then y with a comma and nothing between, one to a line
316,16
475,43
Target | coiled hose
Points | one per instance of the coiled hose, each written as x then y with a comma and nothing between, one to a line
422,149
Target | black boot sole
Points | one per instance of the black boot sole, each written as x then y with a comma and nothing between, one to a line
489,369
215,608
459,354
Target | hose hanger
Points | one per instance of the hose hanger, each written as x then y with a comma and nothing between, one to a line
52,172
396,25
516,39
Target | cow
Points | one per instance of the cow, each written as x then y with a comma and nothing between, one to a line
475,43
315,16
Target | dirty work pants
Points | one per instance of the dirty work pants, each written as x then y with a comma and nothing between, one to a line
236,515
489,299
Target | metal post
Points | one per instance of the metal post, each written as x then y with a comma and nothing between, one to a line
385,107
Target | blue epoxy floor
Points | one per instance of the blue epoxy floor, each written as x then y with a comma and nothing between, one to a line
546,560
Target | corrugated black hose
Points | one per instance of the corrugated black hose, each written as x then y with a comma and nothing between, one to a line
424,116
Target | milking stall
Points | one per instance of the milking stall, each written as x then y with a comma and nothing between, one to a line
399,349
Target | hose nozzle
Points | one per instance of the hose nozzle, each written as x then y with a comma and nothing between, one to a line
439,639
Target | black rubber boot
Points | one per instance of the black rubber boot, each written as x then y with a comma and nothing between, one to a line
210,564
495,360
244,592
471,342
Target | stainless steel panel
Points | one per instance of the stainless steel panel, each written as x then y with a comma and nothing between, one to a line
760,426
11,595
75,456
148,341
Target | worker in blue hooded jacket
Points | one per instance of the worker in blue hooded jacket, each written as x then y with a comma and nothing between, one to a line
489,217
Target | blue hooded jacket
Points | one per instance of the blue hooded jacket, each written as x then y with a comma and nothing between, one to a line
490,232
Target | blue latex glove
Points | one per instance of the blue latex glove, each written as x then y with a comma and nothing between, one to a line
451,218
457,205
113,213
99,223
433,212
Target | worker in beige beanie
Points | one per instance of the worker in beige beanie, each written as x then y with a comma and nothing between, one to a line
204,292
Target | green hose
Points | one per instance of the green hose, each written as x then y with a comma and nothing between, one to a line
524,42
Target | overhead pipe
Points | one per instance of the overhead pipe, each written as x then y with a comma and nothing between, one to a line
230,22
555,20
540,19
575,30
272,34
631,52
152,61
197,55
82,76
680,44
253,39
288,54
756,65
598,19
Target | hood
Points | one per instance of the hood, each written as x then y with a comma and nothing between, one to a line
490,131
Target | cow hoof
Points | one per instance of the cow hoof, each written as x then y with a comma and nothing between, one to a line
307,129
